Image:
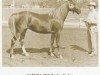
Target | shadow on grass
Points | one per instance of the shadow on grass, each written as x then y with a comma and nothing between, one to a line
75,47
30,50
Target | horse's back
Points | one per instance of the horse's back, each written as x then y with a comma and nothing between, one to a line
35,21
27,14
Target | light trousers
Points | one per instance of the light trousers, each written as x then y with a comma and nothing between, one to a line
94,38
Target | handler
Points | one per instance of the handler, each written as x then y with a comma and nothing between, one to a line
91,23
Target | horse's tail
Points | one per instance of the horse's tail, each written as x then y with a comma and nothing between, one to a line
11,23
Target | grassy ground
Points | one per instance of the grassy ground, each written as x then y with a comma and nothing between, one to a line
37,45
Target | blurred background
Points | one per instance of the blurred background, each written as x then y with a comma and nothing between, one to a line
44,6
40,3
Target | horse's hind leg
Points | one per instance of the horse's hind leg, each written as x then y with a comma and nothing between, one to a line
22,43
52,42
13,41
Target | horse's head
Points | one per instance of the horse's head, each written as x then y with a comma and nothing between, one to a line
73,7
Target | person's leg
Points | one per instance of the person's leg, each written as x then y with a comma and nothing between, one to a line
89,40
94,41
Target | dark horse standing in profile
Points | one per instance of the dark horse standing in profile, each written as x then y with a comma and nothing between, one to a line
41,23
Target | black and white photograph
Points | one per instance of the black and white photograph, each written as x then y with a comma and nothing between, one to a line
50,33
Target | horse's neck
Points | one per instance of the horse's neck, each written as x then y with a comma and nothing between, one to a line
61,12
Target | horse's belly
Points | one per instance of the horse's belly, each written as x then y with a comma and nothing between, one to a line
41,27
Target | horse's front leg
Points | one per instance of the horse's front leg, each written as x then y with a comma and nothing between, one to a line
52,42
58,44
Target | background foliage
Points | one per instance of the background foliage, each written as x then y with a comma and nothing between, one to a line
42,3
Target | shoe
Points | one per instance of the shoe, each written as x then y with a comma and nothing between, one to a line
93,54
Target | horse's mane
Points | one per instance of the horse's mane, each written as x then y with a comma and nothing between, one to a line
58,9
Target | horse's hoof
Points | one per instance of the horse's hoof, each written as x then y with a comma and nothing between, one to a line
25,54
51,54
61,57
12,56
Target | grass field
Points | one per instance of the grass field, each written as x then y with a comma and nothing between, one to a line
74,51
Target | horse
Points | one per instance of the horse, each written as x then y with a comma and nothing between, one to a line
49,23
